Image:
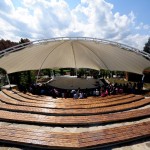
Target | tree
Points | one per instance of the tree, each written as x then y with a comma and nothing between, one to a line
6,44
24,41
147,46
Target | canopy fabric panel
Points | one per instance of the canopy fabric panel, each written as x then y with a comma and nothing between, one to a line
74,54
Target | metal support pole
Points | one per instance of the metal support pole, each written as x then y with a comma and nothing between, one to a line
38,75
143,78
76,72
8,80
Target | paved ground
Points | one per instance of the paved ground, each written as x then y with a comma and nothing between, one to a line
72,82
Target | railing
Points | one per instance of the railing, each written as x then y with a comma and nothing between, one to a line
24,45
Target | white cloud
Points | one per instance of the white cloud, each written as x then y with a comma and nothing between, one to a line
142,26
36,19
134,40
6,6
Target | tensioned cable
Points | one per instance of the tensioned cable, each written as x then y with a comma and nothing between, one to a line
48,55
73,54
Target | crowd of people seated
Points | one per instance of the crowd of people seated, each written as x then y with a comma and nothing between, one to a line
105,90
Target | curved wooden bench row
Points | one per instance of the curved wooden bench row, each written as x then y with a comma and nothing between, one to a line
83,140
35,95
18,97
6,105
69,100
30,94
72,104
112,135
32,137
67,106
73,120
90,100
58,100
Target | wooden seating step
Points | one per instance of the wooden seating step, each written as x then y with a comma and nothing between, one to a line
60,113
74,102
70,101
67,106
38,137
73,120
112,135
29,94
81,140
6,105
36,97
16,96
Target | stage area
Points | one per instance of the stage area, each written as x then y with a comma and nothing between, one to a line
72,82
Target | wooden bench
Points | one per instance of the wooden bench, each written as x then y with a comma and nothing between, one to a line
36,97
76,105
112,135
16,96
29,94
73,120
98,138
99,111
89,100
6,104
71,101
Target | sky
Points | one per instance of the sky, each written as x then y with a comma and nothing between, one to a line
123,21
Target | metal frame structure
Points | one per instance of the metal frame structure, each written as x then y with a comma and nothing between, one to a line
37,42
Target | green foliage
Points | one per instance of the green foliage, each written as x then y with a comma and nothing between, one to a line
2,77
32,75
24,41
147,46
81,71
2,71
46,72
108,73
23,78
7,43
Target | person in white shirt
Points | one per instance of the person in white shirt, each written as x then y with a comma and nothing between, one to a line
97,92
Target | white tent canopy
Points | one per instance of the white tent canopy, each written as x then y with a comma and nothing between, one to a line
74,53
